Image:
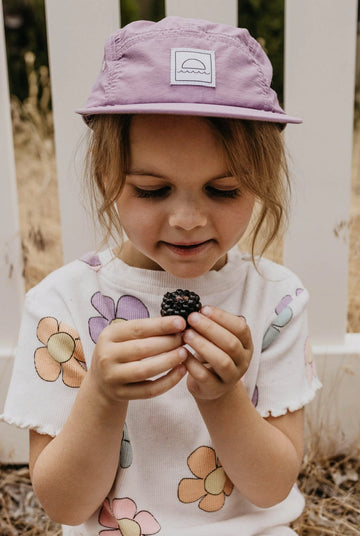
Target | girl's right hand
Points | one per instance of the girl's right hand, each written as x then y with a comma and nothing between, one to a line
129,354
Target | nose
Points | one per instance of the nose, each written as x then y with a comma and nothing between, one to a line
187,215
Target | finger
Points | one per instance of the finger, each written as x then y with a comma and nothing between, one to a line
152,388
145,327
201,372
218,335
233,323
140,371
138,349
222,364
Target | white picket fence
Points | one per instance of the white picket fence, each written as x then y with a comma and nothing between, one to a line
320,44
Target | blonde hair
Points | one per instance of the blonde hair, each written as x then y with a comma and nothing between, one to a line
255,154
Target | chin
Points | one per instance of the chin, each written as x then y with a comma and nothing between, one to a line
187,272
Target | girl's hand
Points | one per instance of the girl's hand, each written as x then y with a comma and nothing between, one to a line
223,346
129,354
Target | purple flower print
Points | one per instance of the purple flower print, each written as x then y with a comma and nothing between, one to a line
255,396
127,308
92,260
284,302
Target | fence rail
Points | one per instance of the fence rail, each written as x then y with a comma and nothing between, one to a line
320,44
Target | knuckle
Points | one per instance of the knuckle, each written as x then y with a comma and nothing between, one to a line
233,346
139,347
226,367
202,375
136,330
141,371
149,390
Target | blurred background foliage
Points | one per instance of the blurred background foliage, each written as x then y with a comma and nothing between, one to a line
25,31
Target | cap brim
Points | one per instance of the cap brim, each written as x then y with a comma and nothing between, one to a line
209,110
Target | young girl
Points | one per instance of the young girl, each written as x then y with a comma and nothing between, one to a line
145,424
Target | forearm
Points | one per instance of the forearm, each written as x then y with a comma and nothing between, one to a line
75,471
260,460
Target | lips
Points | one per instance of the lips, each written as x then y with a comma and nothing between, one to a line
187,248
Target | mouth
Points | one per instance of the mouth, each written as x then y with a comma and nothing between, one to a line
187,248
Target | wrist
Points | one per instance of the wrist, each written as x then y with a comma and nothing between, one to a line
99,396
237,393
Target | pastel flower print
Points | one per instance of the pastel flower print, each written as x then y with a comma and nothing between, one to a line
126,449
211,484
62,353
92,260
127,308
284,315
120,518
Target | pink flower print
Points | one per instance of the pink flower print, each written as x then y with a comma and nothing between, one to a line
122,519
127,308
62,352
309,362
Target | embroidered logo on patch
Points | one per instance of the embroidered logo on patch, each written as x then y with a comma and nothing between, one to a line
192,67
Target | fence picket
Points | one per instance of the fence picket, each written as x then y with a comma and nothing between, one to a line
214,10
319,86
11,280
76,45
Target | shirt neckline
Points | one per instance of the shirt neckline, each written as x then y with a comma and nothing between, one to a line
150,281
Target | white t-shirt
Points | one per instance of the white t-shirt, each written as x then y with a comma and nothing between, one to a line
170,480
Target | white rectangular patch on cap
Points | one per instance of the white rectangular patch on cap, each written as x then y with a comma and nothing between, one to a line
192,67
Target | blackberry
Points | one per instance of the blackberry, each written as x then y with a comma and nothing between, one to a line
180,302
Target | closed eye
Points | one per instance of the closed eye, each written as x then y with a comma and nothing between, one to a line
152,194
226,194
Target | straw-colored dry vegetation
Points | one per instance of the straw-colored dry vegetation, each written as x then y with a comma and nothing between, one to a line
331,485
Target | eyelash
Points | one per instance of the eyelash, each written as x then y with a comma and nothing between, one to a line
161,193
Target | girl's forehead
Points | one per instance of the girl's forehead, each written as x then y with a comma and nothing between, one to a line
176,142
174,131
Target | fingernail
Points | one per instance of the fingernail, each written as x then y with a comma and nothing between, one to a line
182,354
195,318
206,310
178,323
188,335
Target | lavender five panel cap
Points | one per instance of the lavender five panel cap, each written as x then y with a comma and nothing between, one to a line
185,66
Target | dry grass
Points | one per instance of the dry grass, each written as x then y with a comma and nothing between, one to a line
20,512
331,487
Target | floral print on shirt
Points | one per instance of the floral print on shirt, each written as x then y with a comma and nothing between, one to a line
211,484
62,353
127,308
120,518
92,260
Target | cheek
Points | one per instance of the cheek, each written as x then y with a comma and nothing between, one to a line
237,217
135,216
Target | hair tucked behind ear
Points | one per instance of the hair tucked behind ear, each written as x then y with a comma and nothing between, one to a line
255,153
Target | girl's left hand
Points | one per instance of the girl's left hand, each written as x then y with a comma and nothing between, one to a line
223,346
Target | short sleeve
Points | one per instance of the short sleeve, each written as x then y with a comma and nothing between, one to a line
287,377
49,366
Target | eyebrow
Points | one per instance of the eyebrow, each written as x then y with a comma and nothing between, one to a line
143,173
